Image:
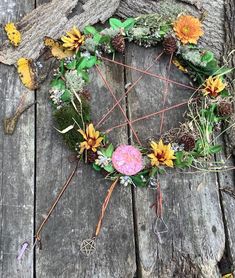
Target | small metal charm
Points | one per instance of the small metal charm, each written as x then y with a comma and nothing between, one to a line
88,246
159,227
153,183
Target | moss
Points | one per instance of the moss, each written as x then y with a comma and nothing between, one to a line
64,118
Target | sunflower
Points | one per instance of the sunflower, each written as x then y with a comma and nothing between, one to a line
73,40
162,154
188,29
92,139
213,86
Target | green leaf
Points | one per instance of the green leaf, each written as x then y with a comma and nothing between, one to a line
87,62
58,84
105,39
84,74
91,62
109,168
90,30
215,149
115,23
96,167
109,151
207,56
71,65
97,38
128,23
183,159
224,93
66,95
82,63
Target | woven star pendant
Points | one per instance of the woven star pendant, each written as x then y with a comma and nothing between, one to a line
88,246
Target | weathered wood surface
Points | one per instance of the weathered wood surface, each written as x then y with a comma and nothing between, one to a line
195,239
17,163
199,217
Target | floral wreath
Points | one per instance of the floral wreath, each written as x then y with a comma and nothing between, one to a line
188,146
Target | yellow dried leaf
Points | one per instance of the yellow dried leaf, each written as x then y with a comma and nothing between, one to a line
179,66
229,275
57,49
13,34
27,73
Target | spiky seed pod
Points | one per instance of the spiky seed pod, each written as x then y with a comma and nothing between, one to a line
169,45
188,141
225,109
118,43
91,156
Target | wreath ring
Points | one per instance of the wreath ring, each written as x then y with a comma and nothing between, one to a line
138,165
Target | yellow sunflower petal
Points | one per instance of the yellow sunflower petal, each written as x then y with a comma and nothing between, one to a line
91,131
76,31
168,163
83,134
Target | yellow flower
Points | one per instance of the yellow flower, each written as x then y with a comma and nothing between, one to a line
162,154
213,86
13,34
92,139
188,29
73,40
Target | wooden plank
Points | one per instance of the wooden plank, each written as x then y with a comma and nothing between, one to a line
44,22
17,163
195,240
227,178
77,213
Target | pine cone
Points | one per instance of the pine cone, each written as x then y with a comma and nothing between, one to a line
188,141
225,109
118,43
169,45
91,156
86,94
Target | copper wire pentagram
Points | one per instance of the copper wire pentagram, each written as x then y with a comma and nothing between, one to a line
126,92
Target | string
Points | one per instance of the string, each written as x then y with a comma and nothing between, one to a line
165,92
120,107
149,73
126,93
104,206
150,115
55,202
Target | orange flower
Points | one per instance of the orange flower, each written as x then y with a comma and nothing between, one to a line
188,29
92,139
213,86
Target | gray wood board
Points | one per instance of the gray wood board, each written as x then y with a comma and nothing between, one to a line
77,213
17,163
195,239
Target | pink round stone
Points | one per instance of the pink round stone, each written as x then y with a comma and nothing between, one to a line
127,160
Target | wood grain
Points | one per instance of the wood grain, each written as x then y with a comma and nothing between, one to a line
76,215
17,164
52,19
187,249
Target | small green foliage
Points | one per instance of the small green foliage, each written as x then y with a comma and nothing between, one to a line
207,57
108,152
90,30
96,167
58,84
118,24
141,178
86,62
183,159
67,116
